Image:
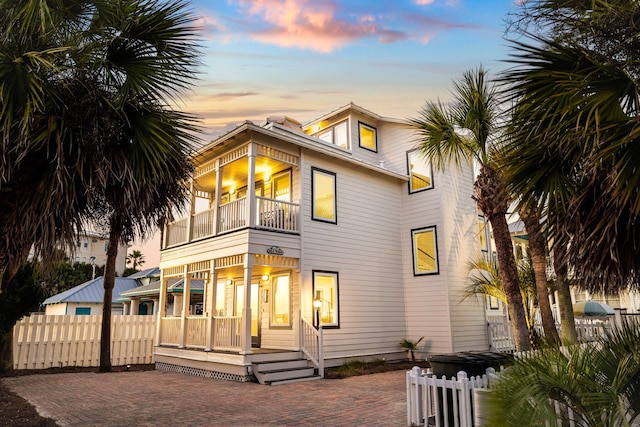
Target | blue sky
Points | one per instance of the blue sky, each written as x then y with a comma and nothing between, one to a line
304,58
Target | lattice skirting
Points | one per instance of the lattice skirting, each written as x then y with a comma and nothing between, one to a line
199,372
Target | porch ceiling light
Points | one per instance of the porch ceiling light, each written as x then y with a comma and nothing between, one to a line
229,281
265,277
267,177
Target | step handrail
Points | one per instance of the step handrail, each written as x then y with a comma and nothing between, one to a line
311,344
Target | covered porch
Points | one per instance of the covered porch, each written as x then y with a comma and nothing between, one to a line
250,312
253,186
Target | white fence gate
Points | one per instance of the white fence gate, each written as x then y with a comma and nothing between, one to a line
53,341
443,402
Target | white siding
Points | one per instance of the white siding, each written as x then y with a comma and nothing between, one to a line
364,249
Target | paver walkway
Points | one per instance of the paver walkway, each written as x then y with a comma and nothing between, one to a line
156,398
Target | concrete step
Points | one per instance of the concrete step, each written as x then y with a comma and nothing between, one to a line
280,365
295,380
275,375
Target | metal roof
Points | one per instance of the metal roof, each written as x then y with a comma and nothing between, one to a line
149,272
153,288
93,291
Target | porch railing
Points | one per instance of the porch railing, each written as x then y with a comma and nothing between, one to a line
311,344
232,215
203,224
170,331
196,331
271,214
227,333
277,215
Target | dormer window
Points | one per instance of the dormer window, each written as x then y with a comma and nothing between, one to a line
337,135
368,138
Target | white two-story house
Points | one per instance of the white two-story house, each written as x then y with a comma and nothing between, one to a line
340,222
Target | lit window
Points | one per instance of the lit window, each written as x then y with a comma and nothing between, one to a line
482,226
368,137
337,135
419,172
220,298
425,251
281,301
323,185
325,289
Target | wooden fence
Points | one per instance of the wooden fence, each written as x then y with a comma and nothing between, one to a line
41,341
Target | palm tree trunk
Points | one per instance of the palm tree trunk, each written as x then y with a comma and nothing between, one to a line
509,276
537,249
567,321
109,280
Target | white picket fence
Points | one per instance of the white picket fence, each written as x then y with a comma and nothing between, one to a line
53,341
443,402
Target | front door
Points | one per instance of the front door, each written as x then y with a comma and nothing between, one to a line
255,310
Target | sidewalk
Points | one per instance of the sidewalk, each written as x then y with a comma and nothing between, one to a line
155,398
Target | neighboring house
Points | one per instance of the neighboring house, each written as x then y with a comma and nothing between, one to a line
342,222
144,299
92,249
87,298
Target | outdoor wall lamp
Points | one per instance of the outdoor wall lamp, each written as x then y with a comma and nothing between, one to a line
317,303
265,277
229,281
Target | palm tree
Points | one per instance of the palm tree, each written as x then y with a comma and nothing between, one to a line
597,385
86,102
462,133
411,347
574,138
538,256
135,259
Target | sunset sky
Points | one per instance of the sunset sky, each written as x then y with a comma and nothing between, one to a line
304,58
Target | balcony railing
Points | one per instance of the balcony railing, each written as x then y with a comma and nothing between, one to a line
271,214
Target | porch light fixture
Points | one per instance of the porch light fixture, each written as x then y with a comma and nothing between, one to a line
232,190
267,177
265,277
317,303
229,281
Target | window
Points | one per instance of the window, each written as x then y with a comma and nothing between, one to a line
337,135
425,251
86,244
368,138
325,289
220,298
323,194
483,232
106,245
83,311
281,301
419,172
281,186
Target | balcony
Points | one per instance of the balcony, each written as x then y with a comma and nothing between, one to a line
271,214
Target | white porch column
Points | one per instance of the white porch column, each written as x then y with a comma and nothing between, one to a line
162,307
135,303
251,185
192,211
125,308
154,308
246,312
186,300
209,305
216,197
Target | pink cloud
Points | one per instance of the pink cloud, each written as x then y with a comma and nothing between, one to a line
312,24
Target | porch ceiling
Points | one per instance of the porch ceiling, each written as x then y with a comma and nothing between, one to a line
234,174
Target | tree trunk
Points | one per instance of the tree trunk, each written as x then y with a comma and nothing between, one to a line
108,280
567,321
538,252
509,276
491,196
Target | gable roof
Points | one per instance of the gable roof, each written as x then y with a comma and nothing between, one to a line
93,291
149,272
153,288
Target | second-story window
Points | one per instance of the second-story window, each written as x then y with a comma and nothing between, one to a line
368,138
323,195
337,135
419,172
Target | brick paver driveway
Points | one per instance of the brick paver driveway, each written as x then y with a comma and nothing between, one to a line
155,398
